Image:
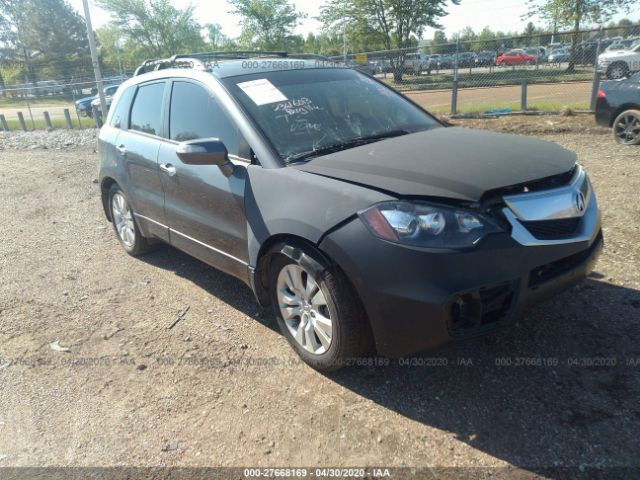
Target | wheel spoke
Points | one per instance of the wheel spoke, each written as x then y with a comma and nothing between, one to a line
287,298
311,288
291,312
318,300
325,340
310,337
323,323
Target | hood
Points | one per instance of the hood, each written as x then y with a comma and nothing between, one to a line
454,163
614,53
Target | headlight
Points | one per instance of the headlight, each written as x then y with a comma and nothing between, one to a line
428,225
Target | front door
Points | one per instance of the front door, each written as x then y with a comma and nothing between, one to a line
204,208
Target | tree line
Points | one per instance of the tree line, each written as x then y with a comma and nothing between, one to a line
47,38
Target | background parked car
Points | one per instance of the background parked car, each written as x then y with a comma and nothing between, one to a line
618,64
83,106
618,107
50,87
515,57
485,59
560,55
416,63
466,60
445,62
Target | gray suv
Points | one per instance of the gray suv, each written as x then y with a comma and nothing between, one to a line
367,224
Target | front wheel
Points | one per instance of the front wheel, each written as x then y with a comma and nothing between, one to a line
317,310
626,128
617,71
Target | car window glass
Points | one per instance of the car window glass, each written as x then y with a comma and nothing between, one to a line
196,114
119,116
147,109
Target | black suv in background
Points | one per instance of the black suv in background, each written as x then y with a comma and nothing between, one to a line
618,107
363,220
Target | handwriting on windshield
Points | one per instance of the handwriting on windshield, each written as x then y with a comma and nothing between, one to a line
297,106
300,126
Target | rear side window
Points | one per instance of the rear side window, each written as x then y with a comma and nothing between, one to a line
147,109
119,117
196,114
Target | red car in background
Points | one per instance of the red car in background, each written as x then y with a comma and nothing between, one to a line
515,57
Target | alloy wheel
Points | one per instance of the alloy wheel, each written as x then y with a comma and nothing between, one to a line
627,128
304,308
123,219
617,72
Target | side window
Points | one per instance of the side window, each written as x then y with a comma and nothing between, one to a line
196,114
147,109
119,117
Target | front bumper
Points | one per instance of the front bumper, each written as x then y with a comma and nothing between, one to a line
418,298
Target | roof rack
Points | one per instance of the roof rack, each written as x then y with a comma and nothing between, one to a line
196,60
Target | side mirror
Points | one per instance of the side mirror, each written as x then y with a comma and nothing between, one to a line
205,151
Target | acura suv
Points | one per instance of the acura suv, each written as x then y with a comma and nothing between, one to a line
367,224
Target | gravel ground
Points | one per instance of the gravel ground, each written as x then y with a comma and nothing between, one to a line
53,140
222,387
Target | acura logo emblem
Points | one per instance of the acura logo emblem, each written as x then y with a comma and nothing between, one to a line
580,202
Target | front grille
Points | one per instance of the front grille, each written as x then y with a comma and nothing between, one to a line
553,229
477,312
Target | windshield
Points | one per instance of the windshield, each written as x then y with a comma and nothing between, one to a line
309,112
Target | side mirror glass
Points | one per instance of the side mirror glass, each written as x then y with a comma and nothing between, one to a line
205,151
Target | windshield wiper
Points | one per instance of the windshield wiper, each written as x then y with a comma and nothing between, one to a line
336,147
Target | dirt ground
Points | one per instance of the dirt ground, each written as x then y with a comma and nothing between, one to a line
222,387
547,94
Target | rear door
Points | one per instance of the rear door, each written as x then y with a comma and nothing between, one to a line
204,208
138,146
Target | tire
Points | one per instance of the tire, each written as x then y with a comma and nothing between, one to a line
125,225
617,70
626,128
335,300
502,64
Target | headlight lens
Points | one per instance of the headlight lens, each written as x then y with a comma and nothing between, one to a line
428,225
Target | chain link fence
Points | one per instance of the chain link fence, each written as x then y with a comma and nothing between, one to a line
542,72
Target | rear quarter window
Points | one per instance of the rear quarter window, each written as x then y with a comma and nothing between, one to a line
121,110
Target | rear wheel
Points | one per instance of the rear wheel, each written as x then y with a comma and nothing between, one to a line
125,224
626,128
317,310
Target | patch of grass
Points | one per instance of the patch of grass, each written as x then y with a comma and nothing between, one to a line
498,77
543,106
57,123
36,101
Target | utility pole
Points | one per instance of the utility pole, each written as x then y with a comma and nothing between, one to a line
94,57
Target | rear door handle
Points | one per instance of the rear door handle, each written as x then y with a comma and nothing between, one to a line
168,169
121,150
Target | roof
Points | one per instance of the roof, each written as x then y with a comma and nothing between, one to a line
229,64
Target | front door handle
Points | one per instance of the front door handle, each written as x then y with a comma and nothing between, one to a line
168,169
121,150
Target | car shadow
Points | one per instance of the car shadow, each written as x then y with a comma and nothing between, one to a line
559,389
225,287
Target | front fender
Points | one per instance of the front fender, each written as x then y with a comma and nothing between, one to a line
287,201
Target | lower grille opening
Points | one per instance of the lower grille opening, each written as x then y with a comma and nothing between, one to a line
476,312
549,271
553,229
